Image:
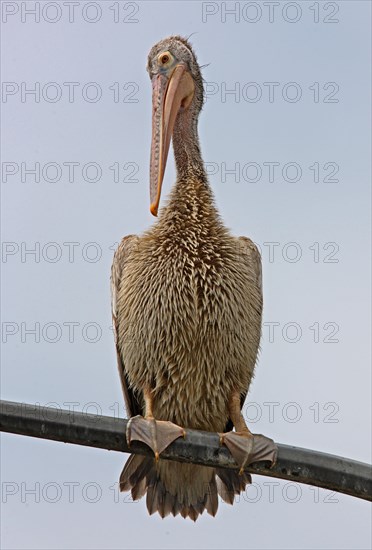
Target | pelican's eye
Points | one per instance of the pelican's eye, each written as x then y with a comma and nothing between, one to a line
165,59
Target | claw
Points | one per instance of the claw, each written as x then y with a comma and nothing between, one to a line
247,448
157,434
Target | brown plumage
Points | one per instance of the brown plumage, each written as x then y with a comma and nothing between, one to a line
187,307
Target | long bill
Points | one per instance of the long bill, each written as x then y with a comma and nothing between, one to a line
168,96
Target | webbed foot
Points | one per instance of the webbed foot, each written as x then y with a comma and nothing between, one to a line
157,434
247,448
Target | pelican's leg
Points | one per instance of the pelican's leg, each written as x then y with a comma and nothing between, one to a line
244,446
157,434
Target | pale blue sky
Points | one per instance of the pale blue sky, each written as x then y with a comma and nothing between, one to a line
322,380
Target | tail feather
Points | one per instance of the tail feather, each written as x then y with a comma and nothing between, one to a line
212,498
231,483
136,469
169,505
175,488
139,490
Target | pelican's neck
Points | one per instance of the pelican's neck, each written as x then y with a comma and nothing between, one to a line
186,148
191,202
191,196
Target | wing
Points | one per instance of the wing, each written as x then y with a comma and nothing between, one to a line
132,404
249,251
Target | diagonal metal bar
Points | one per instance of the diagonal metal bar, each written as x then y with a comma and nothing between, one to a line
295,464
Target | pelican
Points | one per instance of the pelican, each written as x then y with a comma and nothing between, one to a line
186,306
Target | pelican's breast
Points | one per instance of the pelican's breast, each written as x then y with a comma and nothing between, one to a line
186,327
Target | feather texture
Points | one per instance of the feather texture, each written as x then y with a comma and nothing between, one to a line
186,306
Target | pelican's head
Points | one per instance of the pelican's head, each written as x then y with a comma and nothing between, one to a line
177,87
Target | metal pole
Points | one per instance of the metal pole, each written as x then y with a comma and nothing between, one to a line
295,464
